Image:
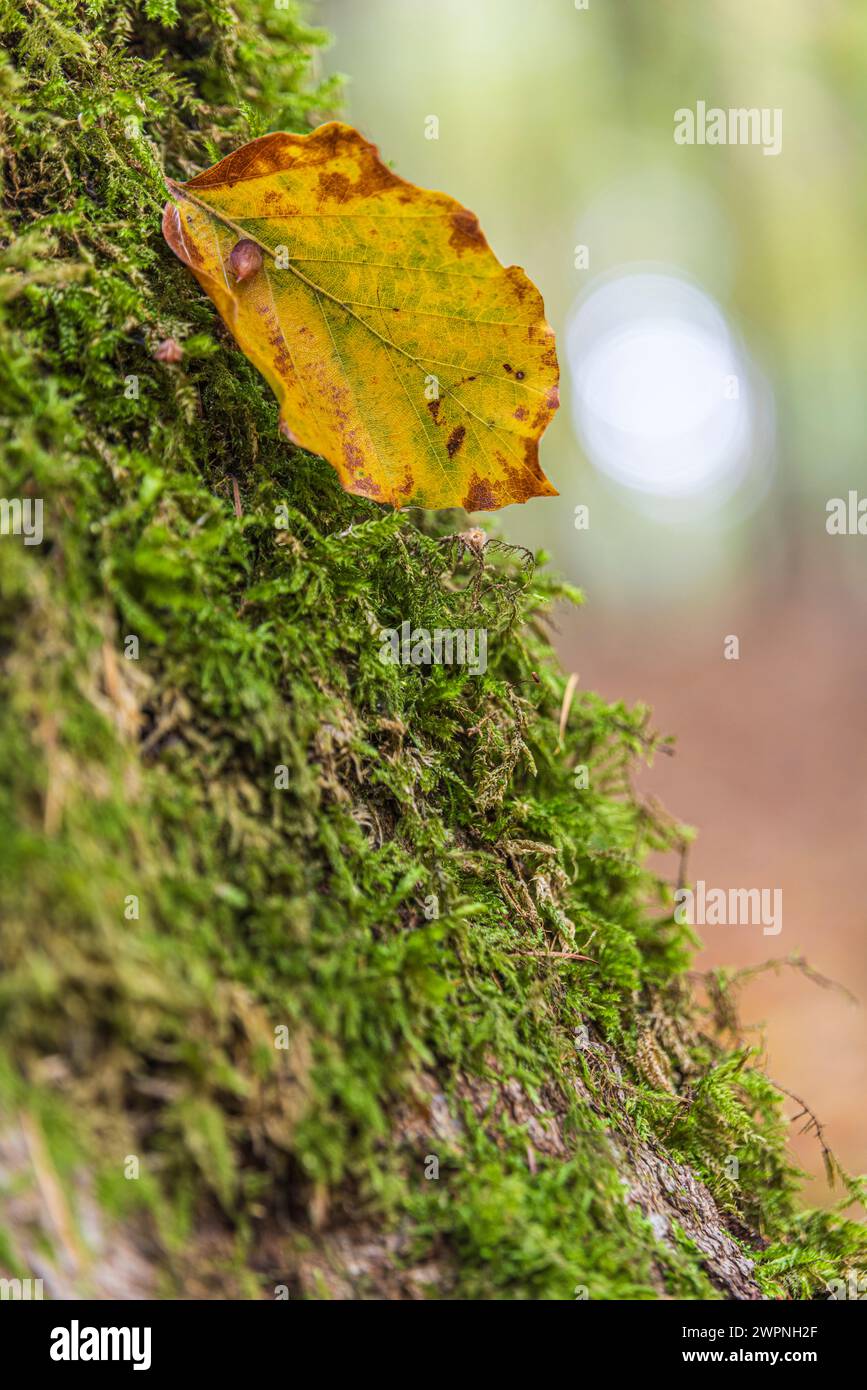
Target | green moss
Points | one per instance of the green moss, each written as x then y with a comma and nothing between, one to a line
303,901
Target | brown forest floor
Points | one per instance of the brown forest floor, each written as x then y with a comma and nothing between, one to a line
771,768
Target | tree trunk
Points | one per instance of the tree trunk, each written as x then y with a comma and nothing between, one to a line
328,974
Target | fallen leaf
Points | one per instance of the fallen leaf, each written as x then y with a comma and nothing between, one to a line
398,347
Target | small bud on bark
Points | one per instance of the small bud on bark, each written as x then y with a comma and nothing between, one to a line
474,539
168,351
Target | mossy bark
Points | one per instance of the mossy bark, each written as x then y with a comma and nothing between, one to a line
290,999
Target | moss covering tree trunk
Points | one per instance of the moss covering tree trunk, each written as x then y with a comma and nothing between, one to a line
289,1002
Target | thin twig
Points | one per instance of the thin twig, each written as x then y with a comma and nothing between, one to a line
568,694
239,511
556,955
813,1126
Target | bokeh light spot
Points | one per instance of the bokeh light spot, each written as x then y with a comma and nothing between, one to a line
662,395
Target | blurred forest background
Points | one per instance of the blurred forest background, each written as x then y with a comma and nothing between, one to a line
710,304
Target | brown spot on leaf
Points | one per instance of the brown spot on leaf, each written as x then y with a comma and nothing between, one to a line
520,484
521,285
336,186
456,439
466,235
521,413
549,356
434,408
353,456
480,496
373,177
366,487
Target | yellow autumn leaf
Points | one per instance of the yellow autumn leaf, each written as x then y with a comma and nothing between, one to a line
398,347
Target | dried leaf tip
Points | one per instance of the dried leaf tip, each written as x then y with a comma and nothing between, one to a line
245,259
